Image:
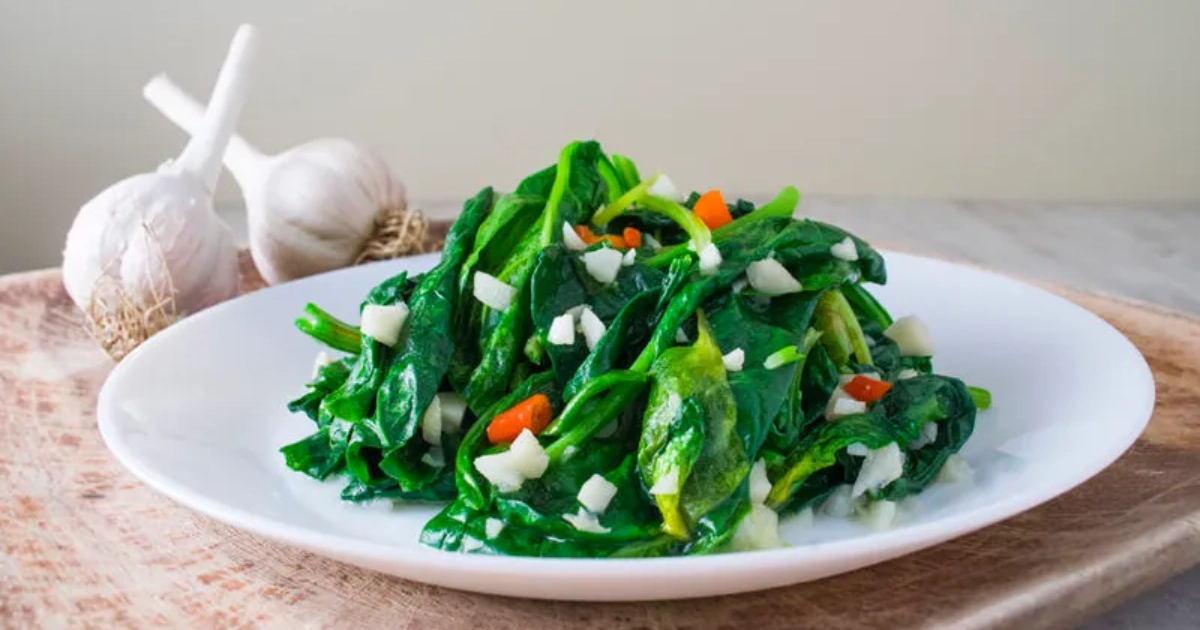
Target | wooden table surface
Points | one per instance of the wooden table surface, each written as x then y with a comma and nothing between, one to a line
86,545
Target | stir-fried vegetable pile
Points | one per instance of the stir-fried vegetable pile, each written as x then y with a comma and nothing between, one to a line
598,367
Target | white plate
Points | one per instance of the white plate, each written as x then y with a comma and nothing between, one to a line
199,413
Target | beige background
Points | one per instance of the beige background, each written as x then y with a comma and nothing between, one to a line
1075,99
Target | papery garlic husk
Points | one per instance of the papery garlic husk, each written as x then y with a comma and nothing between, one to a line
316,207
153,236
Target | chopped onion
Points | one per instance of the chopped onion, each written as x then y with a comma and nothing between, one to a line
710,260
529,458
431,422
319,362
492,527
907,373
471,544
680,336
880,467
928,436
629,258
665,188
844,250
758,530
585,521
858,449
492,292
740,285
880,515
911,337
652,242
760,485
435,457
955,469
603,264
577,310
571,238
454,408
498,468
667,484
769,277
562,330
384,323
841,405
596,493
734,360
593,328
840,502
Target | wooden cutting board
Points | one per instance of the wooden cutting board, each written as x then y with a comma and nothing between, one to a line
86,545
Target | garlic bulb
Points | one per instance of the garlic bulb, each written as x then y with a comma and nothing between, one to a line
150,247
311,209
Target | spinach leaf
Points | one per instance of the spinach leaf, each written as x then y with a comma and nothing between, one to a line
955,415
354,399
395,289
697,373
316,455
422,359
329,378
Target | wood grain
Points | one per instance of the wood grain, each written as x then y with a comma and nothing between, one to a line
85,545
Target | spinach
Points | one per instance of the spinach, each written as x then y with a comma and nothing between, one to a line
690,388
660,418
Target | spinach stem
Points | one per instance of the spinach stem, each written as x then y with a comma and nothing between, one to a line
329,330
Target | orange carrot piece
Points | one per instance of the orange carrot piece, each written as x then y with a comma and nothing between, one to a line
633,238
533,413
585,234
866,389
615,241
711,209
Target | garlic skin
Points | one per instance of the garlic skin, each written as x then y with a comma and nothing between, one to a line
154,234
315,208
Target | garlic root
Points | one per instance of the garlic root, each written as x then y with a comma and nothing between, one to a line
325,204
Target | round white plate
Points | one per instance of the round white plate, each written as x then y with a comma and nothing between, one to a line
198,413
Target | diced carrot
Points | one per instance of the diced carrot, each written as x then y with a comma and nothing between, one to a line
633,238
711,209
585,234
866,389
616,241
533,413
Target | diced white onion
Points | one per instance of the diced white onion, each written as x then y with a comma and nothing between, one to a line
880,467
593,328
629,258
492,292
735,360
760,485
319,362
453,409
758,530
435,457
840,503
955,469
911,336
529,458
667,484
603,264
665,188
652,242
858,449
498,469
384,323
880,515
928,436
492,527
471,544
740,285
906,374
680,336
841,405
596,493
844,250
769,277
585,521
571,238
431,422
562,330
710,260
577,310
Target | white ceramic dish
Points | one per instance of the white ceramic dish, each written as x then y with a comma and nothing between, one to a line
198,413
